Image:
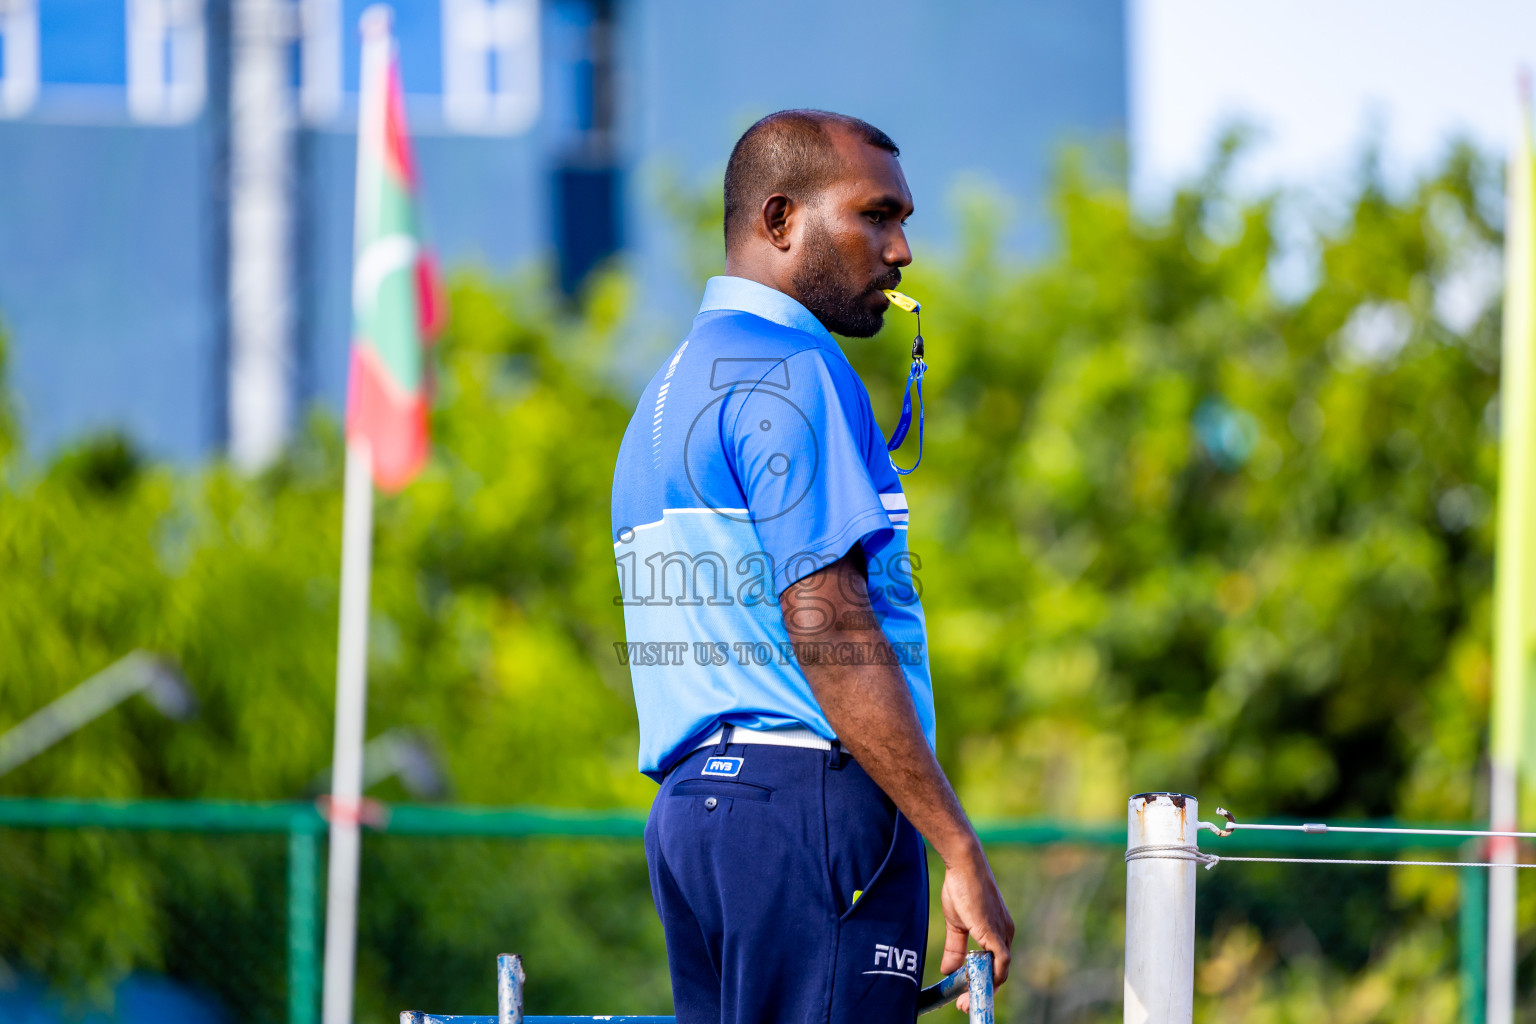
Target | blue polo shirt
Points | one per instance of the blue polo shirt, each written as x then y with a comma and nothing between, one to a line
753,460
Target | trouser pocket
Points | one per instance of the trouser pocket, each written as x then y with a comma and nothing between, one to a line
721,789
882,936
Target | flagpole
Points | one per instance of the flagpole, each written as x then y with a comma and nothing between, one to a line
1514,586
351,708
356,565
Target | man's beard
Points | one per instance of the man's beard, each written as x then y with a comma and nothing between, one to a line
827,290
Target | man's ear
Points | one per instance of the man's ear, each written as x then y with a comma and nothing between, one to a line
775,220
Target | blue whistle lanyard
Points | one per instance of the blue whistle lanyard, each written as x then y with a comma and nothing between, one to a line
903,425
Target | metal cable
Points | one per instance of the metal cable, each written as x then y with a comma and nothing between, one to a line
1382,863
1189,852
1318,828
1175,851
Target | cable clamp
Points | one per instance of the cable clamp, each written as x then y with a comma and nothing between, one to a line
1172,851
1231,821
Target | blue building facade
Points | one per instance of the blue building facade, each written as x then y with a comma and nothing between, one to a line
115,159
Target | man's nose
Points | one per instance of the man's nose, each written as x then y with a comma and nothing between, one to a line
897,252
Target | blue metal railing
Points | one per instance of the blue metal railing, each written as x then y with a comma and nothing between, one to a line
975,977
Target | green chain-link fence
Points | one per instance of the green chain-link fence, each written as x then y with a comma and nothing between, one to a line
226,899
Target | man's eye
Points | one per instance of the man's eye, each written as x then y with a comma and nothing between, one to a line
875,217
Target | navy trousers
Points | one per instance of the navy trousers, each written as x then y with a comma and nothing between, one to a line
790,888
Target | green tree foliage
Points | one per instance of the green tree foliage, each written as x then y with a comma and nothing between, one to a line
491,634
1177,533
1174,531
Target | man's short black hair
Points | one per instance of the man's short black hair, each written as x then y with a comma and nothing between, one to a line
790,152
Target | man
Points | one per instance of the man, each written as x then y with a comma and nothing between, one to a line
775,638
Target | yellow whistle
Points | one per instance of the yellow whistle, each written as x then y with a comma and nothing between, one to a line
901,301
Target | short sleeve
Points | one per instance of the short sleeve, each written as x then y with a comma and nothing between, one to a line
799,439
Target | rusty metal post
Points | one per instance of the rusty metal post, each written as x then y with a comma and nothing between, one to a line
1160,908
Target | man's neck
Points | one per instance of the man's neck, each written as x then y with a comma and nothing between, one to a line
769,275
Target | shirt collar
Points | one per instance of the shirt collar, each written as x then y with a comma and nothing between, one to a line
742,295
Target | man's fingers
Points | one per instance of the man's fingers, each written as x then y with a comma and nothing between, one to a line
1001,961
1001,956
954,948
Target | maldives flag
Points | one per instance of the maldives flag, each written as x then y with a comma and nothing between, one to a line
396,299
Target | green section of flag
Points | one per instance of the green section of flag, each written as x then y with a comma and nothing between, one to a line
396,211
386,310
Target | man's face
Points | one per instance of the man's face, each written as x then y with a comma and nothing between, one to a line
852,241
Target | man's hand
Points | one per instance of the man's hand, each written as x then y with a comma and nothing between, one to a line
870,709
973,907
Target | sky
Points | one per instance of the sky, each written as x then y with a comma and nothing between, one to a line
1319,78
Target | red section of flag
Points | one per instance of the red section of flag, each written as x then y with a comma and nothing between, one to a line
397,138
394,423
431,301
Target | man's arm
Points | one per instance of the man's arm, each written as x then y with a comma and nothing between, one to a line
871,711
